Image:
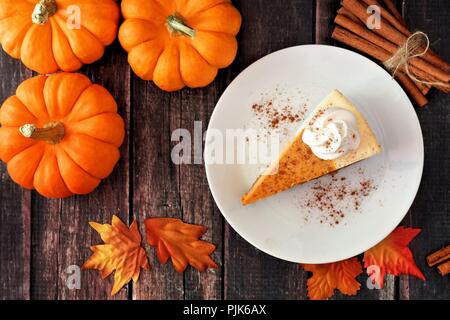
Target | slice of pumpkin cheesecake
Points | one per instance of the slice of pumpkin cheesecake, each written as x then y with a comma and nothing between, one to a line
334,136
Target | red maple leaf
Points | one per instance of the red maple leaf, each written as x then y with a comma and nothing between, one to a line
392,256
180,241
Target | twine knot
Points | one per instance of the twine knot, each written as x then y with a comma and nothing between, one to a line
409,50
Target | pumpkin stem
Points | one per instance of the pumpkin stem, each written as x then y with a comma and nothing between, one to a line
43,11
176,25
52,132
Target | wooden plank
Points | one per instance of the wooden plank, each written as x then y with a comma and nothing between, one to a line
14,206
325,13
155,179
268,26
430,210
196,200
61,234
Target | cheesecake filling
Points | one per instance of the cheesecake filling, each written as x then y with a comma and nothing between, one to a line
332,134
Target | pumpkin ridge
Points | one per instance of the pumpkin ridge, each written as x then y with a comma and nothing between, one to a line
40,160
135,66
34,171
12,15
64,120
60,22
71,131
201,57
225,5
20,12
81,120
218,34
19,37
51,56
13,104
22,150
72,117
162,8
92,137
55,116
154,39
76,164
128,47
160,26
58,171
177,48
65,144
62,15
210,7
55,25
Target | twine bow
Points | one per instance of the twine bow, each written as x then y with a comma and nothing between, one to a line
407,51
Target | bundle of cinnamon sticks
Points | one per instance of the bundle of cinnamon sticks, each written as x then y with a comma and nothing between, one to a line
440,258
382,42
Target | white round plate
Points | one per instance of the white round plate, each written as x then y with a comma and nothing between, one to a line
282,225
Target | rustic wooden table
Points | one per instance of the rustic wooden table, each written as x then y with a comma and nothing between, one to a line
40,238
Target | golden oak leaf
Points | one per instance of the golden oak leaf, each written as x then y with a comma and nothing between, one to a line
392,256
330,276
180,241
121,252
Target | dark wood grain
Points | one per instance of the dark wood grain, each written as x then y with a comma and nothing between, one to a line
15,210
155,178
197,204
268,27
325,14
432,205
40,238
61,234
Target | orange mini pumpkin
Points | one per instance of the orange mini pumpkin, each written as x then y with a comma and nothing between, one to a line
52,35
60,134
179,43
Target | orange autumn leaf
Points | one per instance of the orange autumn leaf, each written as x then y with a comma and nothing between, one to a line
180,241
392,256
121,252
330,276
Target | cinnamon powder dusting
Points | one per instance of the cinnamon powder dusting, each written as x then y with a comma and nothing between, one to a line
273,117
336,197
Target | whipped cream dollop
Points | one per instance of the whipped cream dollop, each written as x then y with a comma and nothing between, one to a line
332,134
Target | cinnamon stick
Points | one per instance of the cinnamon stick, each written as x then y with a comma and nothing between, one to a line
348,14
437,73
439,256
359,9
444,269
389,17
425,89
378,53
412,89
393,9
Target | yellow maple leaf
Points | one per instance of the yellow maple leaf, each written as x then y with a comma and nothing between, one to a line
330,276
121,252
